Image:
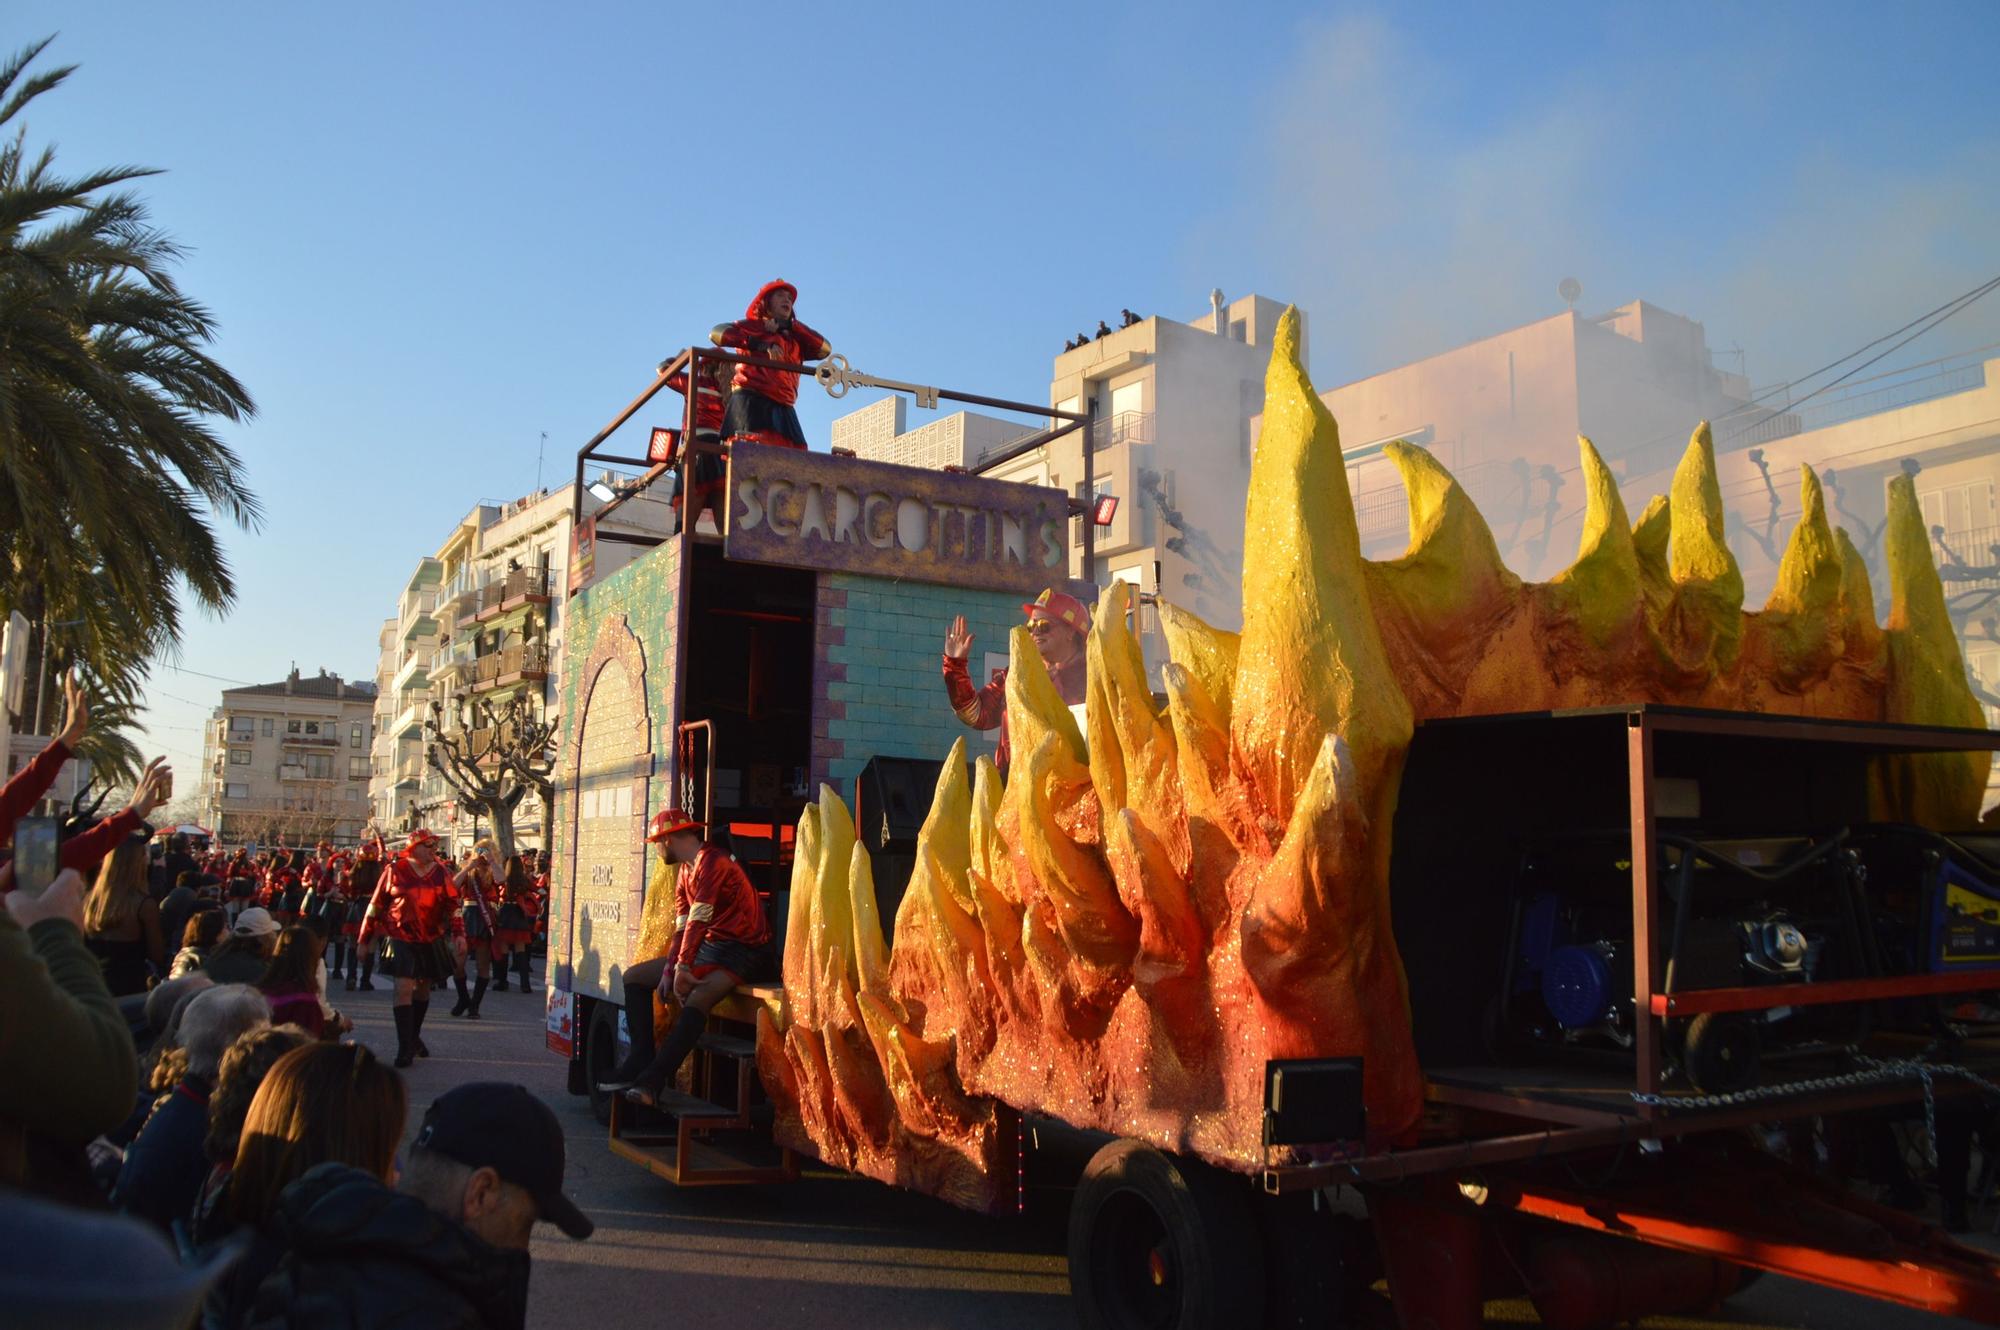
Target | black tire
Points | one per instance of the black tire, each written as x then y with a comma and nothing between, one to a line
600,1056
1722,1052
1158,1242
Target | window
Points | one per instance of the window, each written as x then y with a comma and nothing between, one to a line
238,789
1239,330
242,729
291,727
1958,508
357,768
270,727
239,757
354,735
1128,397
319,766
353,795
312,727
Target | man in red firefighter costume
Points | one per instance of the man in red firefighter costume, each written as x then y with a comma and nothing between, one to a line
721,939
701,477
761,408
415,913
1059,623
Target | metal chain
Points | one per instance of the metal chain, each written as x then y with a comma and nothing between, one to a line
1874,1071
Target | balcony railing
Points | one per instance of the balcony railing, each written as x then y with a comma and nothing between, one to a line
528,660
1125,427
1863,397
312,741
521,586
1967,560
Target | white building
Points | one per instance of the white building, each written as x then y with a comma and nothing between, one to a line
879,432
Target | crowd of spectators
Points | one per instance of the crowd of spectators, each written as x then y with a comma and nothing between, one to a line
210,1140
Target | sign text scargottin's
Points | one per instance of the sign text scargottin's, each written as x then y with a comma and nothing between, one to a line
812,510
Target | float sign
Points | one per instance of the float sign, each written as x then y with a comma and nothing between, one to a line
812,510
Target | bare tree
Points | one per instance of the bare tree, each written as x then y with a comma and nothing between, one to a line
492,757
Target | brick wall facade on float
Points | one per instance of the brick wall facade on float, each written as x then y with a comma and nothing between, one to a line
877,685
617,697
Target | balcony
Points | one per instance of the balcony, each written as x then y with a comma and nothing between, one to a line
452,665
417,616
412,672
413,711
312,741
296,771
521,586
410,770
522,662
1125,427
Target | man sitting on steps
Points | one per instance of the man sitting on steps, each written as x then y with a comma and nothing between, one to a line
721,940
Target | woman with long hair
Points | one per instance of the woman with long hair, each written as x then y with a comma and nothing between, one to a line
291,985
204,930
121,921
324,1103
244,1066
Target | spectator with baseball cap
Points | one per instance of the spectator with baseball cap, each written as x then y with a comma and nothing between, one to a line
245,954
449,1246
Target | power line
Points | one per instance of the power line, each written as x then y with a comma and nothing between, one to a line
180,669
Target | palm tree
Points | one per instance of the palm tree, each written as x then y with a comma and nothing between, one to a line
111,475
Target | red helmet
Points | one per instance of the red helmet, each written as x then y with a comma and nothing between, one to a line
1062,608
421,836
670,820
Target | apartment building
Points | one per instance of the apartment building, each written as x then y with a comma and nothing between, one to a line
880,432
480,620
288,762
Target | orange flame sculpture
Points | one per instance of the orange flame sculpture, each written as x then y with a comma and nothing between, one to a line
1127,932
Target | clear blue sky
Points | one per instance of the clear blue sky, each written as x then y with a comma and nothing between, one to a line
432,232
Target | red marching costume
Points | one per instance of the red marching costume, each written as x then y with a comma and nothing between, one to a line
715,906
414,912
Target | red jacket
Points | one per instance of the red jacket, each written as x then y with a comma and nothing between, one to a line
83,851
409,906
793,343
984,708
708,400
712,898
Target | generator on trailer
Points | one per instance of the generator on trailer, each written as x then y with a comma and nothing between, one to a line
1662,871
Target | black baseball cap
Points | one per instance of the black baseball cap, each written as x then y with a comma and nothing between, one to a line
497,1125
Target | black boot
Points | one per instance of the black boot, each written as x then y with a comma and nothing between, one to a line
521,968
464,999
500,980
353,976
335,948
418,1010
639,1024
478,996
680,1042
405,1034
367,969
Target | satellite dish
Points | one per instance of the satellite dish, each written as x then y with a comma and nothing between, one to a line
1570,290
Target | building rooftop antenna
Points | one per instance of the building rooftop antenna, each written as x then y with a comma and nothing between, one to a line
1571,291
538,460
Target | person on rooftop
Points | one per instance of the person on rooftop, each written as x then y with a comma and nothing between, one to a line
762,405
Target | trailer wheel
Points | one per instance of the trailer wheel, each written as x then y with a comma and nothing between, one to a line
1163,1243
600,1056
1722,1052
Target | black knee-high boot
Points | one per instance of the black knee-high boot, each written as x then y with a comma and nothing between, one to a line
639,1025
478,996
335,948
680,1042
368,970
406,1052
417,1012
464,998
521,968
500,979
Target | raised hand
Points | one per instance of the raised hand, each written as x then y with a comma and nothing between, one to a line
76,710
958,639
151,790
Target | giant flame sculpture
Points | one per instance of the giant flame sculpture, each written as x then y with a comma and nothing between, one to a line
1124,934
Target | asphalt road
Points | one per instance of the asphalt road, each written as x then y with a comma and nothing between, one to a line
831,1251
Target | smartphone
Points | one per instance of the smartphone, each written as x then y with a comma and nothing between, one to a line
35,853
166,784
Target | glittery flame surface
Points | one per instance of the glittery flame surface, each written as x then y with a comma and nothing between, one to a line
1125,933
